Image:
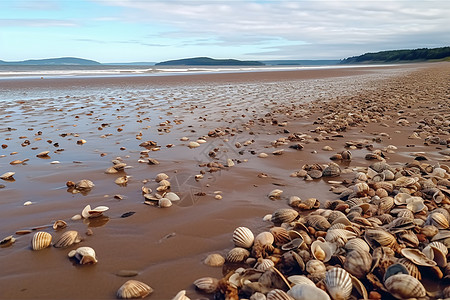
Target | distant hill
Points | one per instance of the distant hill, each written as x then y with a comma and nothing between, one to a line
415,55
53,61
206,61
309,62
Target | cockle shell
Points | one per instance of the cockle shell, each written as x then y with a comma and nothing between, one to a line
7,175
214,260
300,279
379,237
338,283
339,236
280,235
67,239
357,244
237,255
41,240
122,180
358,263
403,286
264,264
316,270
307,292
84,184
133,289
84,255
264,238
207,284
437,219
417,257
437,252
278,294
161,176
412,268
243,237
181,295
318,222
284,215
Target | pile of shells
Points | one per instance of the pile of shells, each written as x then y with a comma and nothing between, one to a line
389,229
163,197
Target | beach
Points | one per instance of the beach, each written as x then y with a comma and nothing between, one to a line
88,123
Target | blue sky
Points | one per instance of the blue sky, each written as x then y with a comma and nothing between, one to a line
130,30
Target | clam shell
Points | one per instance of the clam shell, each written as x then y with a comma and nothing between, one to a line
164,202
437,252
357,244
172,196
84,184
181,295
379,237
437,219
300,279
339,236
401,198
293,244
316,270
411,267
403,286
243,237
7,175
67,239
321,250
404,181
358,263
41,240
417,257
207,284
415,204
278,294
133,289
84,255
317,222
307,292
284,215
275,194
237,255
264,238
214,260
60,224
338,283
161,176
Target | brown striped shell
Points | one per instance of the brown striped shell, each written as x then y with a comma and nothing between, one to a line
133,289
317,222
237,255
411,267
41,240
358,263
284,215
280,235
67,239
208,285
403,286
338,283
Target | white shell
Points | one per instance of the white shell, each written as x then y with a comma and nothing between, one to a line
338,283
164,202
403,286
264,264
133,289
284,215
237,255
214,260
357,244
67,239
358,263
307,292
172,196
243,237
300,279
321,250
181,296
161,176
207,284
417,257
264,238
84,184
85,255
7,175
193,145
41,240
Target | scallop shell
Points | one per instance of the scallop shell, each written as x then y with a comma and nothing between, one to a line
84,255
412,268
307,292
214,260
280,235
133,289
207,284
67,239
284,215
338,283
41,240
339,236
237,255
264,264
7,175
181,295
317,222
403,286
243,237
357,244
417,257
437,219
321,250
358,263
278,294
379,237
264,238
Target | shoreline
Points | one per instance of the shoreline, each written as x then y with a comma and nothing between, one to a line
256,112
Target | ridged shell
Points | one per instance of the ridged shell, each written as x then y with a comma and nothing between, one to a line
161,176
395,269
318,222
411,267
84,184
207,284
41,240
275,194
307,292
357,244
437,252
404,181
278,294
133,289
7,175
264,238
237,255
243,237
316,270
300,279
264,264
418,257
85,255
379,237
67,239
387,186
403,286
338,283
385,205
214,260
358,263
284,215
321,250
280,235
339,236
181,295
437,219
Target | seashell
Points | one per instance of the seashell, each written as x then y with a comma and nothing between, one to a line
7,241
294,244
208,285
275,194
172,196
405,213
321,250
379,237
380,166
133,289
385,205
164,203
278,294
84,184
60,224
264,264
387,186
317,222
280,235
111,170
394,269
417,257
361,188
43,154
307,292
84,255
437,252
214,260
438,220
357,244
161,176
316,270
300,279
264,238
332,170
88,212
337,215
181,295
411,267
237,255
41,240
122,180
7,175
284,215
429,231
309,203
404,181
358,263
193,145
243,237
315,174
416,204
338,283
67,239
403,286
274,279
339,236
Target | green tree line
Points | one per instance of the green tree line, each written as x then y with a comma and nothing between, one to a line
400,56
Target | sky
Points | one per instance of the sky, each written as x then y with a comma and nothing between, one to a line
152,31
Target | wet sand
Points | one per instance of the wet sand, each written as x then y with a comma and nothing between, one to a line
167,246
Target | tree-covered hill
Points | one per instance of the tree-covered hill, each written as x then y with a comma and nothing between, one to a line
414,55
